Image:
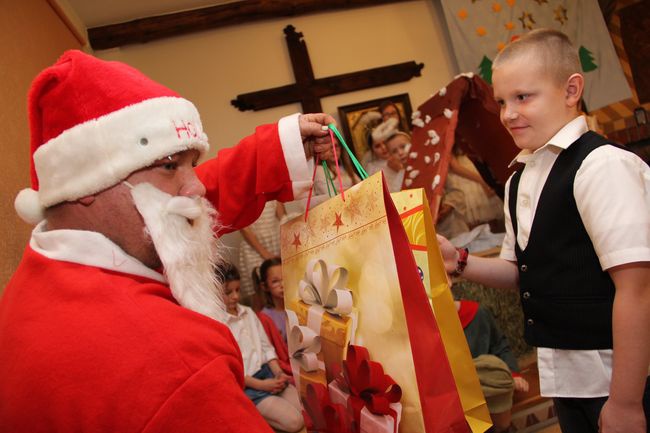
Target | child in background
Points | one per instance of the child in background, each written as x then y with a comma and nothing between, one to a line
392,166
496,365
398,145
268,283
269,306
577,243
265,382
468,201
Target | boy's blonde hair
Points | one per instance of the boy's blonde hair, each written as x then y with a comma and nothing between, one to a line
552,48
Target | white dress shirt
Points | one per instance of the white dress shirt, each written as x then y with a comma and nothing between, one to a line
612,192
251,337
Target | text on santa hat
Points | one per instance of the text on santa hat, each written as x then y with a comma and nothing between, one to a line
186,128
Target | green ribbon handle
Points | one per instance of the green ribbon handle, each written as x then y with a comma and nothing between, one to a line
328,180
357,164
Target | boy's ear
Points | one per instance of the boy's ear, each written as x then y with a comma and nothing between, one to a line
574,87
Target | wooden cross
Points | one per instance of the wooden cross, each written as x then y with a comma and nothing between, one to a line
308,90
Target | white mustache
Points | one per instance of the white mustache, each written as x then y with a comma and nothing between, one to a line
187,207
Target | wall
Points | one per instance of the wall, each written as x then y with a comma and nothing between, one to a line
211,68
33,37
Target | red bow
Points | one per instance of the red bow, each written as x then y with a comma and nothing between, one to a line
367,385
321,415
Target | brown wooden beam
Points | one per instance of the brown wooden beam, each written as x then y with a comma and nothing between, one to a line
181,23
329,86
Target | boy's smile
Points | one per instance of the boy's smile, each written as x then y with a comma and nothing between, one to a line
533,106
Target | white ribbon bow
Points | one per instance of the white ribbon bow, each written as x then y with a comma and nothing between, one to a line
325,286
304,345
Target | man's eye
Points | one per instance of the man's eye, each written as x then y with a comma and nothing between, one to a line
170,166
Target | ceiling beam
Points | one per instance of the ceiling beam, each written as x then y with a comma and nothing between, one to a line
239,12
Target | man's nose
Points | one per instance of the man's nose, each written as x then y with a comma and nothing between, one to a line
192,186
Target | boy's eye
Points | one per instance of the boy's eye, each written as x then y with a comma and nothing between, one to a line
500,102
522,97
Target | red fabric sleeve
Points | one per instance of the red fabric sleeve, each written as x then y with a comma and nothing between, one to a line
241,179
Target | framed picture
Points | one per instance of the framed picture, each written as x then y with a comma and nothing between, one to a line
353,122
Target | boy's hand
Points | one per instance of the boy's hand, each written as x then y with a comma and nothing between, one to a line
620,418
449,254
315,135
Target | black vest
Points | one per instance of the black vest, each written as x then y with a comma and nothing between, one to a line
566,297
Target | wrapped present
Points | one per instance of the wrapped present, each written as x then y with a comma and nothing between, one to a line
321,414
306,357
370,396
325,306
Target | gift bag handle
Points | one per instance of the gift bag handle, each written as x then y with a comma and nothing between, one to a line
328,177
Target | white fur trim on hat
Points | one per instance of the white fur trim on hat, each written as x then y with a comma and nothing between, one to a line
29,207
98,154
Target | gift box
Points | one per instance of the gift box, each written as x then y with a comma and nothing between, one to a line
321,413
306,356
325,306
334,332
371,397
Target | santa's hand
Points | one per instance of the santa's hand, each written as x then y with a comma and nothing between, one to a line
315,135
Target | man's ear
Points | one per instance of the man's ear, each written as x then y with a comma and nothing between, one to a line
574,87
86,201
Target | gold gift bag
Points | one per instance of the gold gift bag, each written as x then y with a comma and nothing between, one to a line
350,279
416,217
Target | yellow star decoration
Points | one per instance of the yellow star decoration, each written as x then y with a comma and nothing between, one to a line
509,25
496,7
540,2
480,31
462,14
500,46
511,3
561,15
527,20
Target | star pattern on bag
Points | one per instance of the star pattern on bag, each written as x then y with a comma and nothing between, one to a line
296,240
338,221
353,208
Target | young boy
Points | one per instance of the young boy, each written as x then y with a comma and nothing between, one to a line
577,244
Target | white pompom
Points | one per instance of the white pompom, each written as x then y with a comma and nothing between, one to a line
28,206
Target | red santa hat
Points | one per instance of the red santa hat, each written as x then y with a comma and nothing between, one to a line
93,123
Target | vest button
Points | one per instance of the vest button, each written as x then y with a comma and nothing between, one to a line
526,295
523,268
530,322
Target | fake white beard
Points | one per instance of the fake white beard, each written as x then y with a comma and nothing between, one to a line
188,250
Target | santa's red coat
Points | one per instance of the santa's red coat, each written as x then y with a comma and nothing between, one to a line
86,349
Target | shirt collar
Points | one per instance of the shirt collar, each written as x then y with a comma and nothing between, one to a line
88,248
241,312
562,139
